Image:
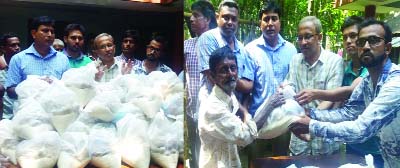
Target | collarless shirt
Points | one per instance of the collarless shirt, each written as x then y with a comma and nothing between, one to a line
271,67
369,111
30,62
350,75
221,131
141,69
80,61
192,70
326,73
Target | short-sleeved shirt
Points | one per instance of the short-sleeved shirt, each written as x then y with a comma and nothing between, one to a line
193,73
271,68
7,101
326,73
369,111
141,69
80,61
350,75
30,62
212,40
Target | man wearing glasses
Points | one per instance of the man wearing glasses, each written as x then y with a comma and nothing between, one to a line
154,51
314,68
374,104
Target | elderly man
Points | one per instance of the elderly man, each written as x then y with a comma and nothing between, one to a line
58,45
315,68
10,45
374,104
74,38
221,131
108,68
202,19
39,59
224,35
154,51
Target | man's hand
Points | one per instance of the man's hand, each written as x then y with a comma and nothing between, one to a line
301,128
127,67
47,79
305,96
276,100
100,72
6,163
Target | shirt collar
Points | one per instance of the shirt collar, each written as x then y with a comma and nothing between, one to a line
323,57
281,42
32,50
69,57
235,41
221,95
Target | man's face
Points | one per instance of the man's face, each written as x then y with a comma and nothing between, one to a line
105,48
308,39
371,45
349,40
198,22
128,45
228,21
44,35
270,25
12,47
74,41
154,50
226,75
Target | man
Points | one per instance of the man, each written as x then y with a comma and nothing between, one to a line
39,59
74,38
353,72
155,49
374,104
202,19
10,45
315,68
130,40
58,45
108,68
221,131
224,35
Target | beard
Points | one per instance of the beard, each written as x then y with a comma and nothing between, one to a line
230,85
376,60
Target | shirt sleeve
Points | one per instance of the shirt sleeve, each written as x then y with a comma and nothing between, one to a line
380,112
221,124
14,76
335,78
204,47
249,66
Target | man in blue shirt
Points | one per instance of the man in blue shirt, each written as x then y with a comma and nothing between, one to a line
39,59
374,104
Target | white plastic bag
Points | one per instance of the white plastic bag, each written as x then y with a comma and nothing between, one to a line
281,117
8,140
173,105
74,150
103,106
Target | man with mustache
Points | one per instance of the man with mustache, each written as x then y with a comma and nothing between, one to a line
221,131
154,51
74,38
353,74
372,108
39,59
315,68
224,35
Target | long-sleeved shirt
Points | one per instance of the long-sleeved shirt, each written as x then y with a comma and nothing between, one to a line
325,73
221,130
368,112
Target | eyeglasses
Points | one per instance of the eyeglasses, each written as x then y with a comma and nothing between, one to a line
153,49
352,36
268,18
306,37
373,41
103,47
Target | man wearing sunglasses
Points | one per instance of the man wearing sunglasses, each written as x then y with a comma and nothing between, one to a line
272,55
315,68
374,104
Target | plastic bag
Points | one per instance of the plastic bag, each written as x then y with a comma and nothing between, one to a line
8,140
39,152
173,105
281,117
103,106
74,150
31,87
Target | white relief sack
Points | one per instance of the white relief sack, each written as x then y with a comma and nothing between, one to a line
103,106
281,117
8,140
74,150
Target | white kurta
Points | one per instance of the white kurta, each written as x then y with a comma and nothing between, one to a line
221,130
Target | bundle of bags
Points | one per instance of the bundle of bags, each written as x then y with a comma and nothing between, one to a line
76,121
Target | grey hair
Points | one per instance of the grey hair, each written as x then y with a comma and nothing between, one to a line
315,21
102,35
58,42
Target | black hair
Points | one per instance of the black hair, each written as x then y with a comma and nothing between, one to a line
134,34
72,27
5,37
372,21
228,3
207,9
350,21
41,20
271,6
161,39
219,55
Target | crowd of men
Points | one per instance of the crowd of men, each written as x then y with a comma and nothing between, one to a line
49,58
232,88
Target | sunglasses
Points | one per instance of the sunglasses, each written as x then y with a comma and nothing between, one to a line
373,41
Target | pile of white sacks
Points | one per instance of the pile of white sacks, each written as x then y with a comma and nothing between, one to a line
76,121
